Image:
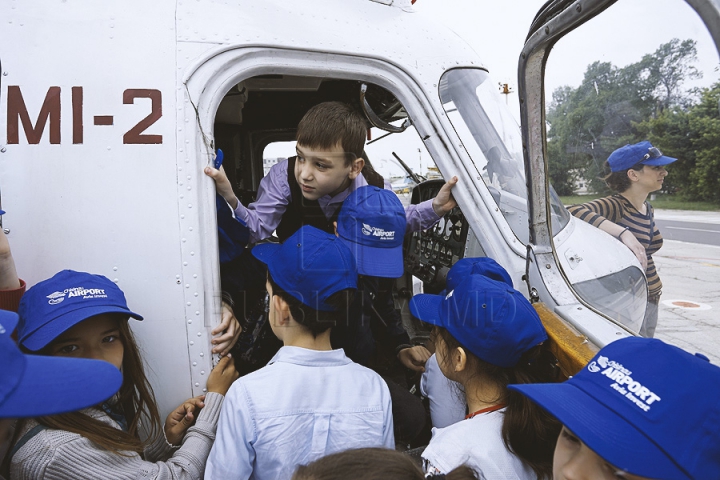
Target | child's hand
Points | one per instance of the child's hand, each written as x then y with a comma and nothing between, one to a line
414,358
230,329
444,201
8,275
222,376
182,418
222,185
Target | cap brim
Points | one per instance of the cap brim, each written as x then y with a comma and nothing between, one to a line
53,385
376,262
604,431
656,162
427,308
265,251
43,335
2,212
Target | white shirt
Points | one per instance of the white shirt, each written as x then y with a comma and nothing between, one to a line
476,442
446,397
303,405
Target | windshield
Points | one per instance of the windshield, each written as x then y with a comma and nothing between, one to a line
492,139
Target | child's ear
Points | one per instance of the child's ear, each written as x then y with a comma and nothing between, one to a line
459,359
356,167
282,310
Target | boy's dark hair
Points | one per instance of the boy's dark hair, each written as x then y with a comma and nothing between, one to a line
329,123
371,464
619,181
317,321
528,431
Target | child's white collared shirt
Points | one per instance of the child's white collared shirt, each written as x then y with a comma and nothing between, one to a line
303,405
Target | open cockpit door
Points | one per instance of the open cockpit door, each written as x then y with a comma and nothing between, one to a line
597,286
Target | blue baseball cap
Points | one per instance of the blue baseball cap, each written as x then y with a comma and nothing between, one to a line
310,265
479,265
64,300
2,212
372,224
644,406
630,155
489,318
34,385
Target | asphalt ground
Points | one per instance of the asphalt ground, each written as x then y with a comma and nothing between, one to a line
690,272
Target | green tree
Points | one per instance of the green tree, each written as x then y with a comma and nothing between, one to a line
692,136
664,72
585,124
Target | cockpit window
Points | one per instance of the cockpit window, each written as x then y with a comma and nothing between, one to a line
492,139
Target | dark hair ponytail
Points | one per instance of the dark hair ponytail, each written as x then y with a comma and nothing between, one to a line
528,431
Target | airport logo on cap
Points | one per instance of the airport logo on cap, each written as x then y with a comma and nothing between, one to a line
624,384
378,232
85,293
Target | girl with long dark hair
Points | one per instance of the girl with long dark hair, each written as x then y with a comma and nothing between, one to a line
76,314
487,336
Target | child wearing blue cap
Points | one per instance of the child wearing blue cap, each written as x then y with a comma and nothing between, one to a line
309,188
635,171
640,409
309,400
32,385
447,405
487,335
76,314
372,224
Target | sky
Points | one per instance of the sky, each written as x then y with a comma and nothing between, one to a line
496,30
621,35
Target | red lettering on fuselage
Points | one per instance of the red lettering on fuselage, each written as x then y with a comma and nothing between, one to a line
17,113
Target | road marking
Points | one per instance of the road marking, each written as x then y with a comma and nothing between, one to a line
686,304
692,229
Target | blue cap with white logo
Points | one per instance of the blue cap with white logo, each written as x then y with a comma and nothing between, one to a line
372,224
642,152
489,318
311,265
644,406
64,300
34,385
476,265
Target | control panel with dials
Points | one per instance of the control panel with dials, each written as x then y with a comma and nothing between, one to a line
429,254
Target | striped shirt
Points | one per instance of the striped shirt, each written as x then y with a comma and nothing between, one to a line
619,210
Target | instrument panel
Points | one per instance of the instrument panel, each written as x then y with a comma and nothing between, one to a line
429,254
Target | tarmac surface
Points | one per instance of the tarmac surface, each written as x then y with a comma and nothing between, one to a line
689,314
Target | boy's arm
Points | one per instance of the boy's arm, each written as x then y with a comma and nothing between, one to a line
11,287
263,215
426,214
232,454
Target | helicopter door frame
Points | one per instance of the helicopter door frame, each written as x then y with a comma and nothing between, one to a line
210,78
554,21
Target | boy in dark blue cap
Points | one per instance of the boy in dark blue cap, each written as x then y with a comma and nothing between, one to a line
641,409
372,224
310,400
635,171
